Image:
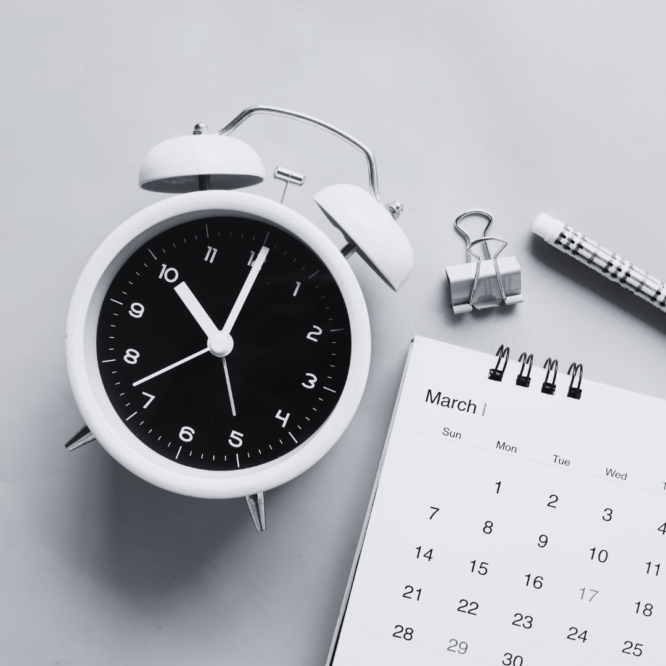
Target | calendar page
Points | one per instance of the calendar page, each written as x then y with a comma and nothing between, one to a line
511,527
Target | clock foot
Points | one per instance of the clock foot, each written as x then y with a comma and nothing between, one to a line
82,437
256,505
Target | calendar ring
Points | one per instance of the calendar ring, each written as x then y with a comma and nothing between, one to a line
575,391
496,373
525,379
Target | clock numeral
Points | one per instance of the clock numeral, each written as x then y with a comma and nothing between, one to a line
298,286
210,254
186,433
131,356
136,310
312,335
151,398
168,274
284,419
311,382
236,439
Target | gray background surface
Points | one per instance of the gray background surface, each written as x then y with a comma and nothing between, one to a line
516,107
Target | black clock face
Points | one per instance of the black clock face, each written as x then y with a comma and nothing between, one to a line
223,343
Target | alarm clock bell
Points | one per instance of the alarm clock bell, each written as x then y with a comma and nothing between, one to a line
204,161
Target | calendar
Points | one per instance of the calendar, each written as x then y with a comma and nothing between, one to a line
518,519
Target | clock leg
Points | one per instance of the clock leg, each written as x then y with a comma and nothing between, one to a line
256,505
82,437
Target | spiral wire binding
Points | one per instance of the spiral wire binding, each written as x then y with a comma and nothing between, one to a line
549,387
521,379
495,373
575,391
524,378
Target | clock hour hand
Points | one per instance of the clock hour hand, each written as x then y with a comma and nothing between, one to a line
196,309
171,367
244,292
219,343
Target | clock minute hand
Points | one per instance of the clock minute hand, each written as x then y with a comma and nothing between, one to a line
244,292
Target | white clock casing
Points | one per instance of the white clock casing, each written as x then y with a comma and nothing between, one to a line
81,351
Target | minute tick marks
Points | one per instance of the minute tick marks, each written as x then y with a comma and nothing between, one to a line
221,401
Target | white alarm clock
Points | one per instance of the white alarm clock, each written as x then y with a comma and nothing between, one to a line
218,342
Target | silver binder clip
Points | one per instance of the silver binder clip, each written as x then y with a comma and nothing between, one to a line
483,283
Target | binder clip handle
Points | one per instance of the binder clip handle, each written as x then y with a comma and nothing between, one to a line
464,234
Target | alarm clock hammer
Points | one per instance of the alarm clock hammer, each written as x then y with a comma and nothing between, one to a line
218,342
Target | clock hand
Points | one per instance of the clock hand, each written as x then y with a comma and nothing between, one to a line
231,397
196,309
219,343
171,367
242,297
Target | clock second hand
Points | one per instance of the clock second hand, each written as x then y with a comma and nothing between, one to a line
235,311
172,366
231,397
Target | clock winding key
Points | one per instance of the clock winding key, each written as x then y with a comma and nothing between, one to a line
289,177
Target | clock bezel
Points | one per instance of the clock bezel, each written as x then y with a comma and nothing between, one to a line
81,346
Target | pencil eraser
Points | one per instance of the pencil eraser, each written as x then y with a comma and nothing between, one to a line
547,227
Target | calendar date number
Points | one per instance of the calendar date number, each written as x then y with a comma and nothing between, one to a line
577,635
422,553
412,593
469,607
634,649
523,621
460,647
405,633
